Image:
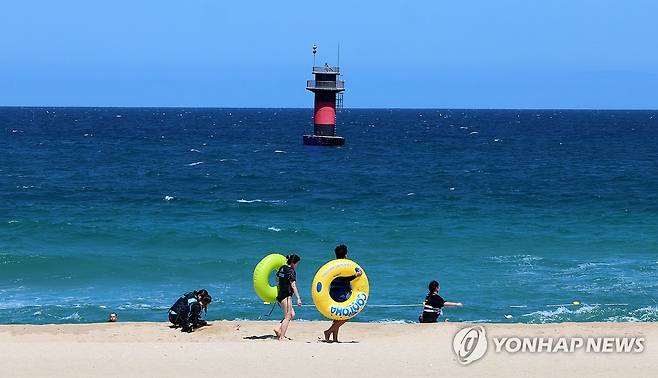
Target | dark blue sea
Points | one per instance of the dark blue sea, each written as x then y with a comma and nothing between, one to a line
516,213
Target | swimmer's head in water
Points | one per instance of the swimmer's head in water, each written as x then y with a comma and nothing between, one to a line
433,286
113,317
341,251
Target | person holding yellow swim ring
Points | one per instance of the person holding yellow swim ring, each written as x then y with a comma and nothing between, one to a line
287,286
339,291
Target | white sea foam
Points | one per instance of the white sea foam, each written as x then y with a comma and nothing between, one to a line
194,150
168,198
73,316
497,140
544,316
13,221
280,152
392,321
515,258
13,304
118,116
622,319
646,314
223,160
274,202
411,194
193,164
249,201
140,306
588,265
473,132
274,229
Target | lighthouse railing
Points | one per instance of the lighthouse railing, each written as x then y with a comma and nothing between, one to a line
326,69
314,84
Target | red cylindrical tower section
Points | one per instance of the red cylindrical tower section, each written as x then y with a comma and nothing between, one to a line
325,108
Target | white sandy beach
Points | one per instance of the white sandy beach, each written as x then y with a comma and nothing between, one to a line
244,348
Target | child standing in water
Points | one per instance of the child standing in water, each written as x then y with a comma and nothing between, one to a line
339,291
433,304
287,285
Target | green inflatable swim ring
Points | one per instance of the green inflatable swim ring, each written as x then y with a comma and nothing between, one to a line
262,272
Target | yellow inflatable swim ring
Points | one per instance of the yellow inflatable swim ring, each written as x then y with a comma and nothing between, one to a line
320,290
269,263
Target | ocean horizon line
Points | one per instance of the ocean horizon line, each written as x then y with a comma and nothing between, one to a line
311,108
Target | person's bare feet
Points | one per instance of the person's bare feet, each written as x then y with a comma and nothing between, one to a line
326,335
277,333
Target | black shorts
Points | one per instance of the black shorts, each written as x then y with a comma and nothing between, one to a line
428,319
281,298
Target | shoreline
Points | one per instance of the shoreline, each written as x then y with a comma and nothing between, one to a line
316,321
247,348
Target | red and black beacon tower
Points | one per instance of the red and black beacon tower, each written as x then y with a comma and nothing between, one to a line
328,97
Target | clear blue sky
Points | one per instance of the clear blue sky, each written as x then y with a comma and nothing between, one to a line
433,54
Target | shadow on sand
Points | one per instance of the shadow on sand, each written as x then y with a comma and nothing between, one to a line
336,342
263,337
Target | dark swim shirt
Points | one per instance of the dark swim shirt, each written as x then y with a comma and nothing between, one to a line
340,288
432,308
285,276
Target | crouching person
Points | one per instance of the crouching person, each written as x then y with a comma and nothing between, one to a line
186,311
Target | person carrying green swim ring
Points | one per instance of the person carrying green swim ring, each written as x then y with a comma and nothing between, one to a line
287,286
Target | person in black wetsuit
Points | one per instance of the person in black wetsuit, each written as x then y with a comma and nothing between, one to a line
340,291
287,286
434,303
186,311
